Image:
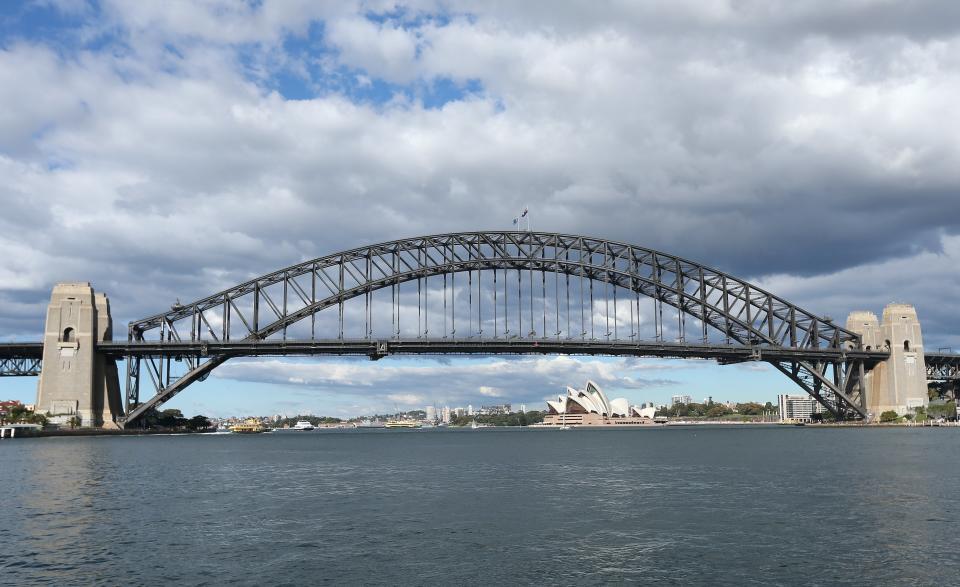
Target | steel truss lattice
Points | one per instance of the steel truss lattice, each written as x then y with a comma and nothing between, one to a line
714,302
942,366
20,367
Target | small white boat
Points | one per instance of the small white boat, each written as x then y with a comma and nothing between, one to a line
302,425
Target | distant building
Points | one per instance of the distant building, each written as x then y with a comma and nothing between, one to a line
445,415
431,413
591,407
470,410
797,408
523,408
460,412
7,406
681,399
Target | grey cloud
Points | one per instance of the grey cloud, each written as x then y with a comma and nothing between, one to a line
424,382
797,140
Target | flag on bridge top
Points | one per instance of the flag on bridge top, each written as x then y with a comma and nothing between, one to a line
515,220
525,210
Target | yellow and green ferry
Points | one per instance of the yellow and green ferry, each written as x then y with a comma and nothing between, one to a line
402,424
251,426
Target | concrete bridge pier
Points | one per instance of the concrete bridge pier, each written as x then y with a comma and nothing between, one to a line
900,382
76,381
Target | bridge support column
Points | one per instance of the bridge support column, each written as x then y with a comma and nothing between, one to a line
75,381
899,383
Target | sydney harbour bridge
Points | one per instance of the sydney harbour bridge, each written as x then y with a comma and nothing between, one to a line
471,293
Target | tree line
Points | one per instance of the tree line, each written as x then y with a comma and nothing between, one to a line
715,410
514,419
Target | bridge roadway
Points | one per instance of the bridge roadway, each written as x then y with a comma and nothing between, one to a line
21,350
23,358
379,348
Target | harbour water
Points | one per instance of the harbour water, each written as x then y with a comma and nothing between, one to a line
691,505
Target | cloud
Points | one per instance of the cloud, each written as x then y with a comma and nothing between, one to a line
417,381
487,391
166,151
408,399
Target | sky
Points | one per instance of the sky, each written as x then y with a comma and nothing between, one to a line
168,150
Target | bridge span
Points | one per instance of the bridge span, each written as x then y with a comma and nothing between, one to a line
493,292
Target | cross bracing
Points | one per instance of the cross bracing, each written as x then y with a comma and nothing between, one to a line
525,287
19,366
942,366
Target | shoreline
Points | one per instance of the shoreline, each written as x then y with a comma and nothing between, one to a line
25,433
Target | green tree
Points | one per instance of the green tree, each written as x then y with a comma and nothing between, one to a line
752,408
514,419
198,423
717,410
888,416
946,410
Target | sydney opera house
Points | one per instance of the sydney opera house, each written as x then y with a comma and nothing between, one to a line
590,407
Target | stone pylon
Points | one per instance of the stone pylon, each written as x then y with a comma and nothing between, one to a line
75,380
900,382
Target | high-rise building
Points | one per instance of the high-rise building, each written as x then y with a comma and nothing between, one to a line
445,415
431,413
681,399
523,408
797,408
470,410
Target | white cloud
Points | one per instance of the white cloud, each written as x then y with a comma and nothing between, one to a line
424,381
487,391
808,142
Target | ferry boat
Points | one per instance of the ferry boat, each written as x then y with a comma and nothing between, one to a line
302,425
402,424
370,424
249,427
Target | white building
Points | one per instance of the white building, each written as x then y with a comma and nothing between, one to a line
470,410
431,413
681,399
591,407
797,408
445,414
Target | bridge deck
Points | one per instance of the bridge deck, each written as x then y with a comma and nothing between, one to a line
375,348
725,353
21,350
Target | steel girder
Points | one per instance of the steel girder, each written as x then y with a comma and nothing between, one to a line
20,367
268,305
942,366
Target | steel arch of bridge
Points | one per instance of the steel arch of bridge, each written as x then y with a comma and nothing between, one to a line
810,350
